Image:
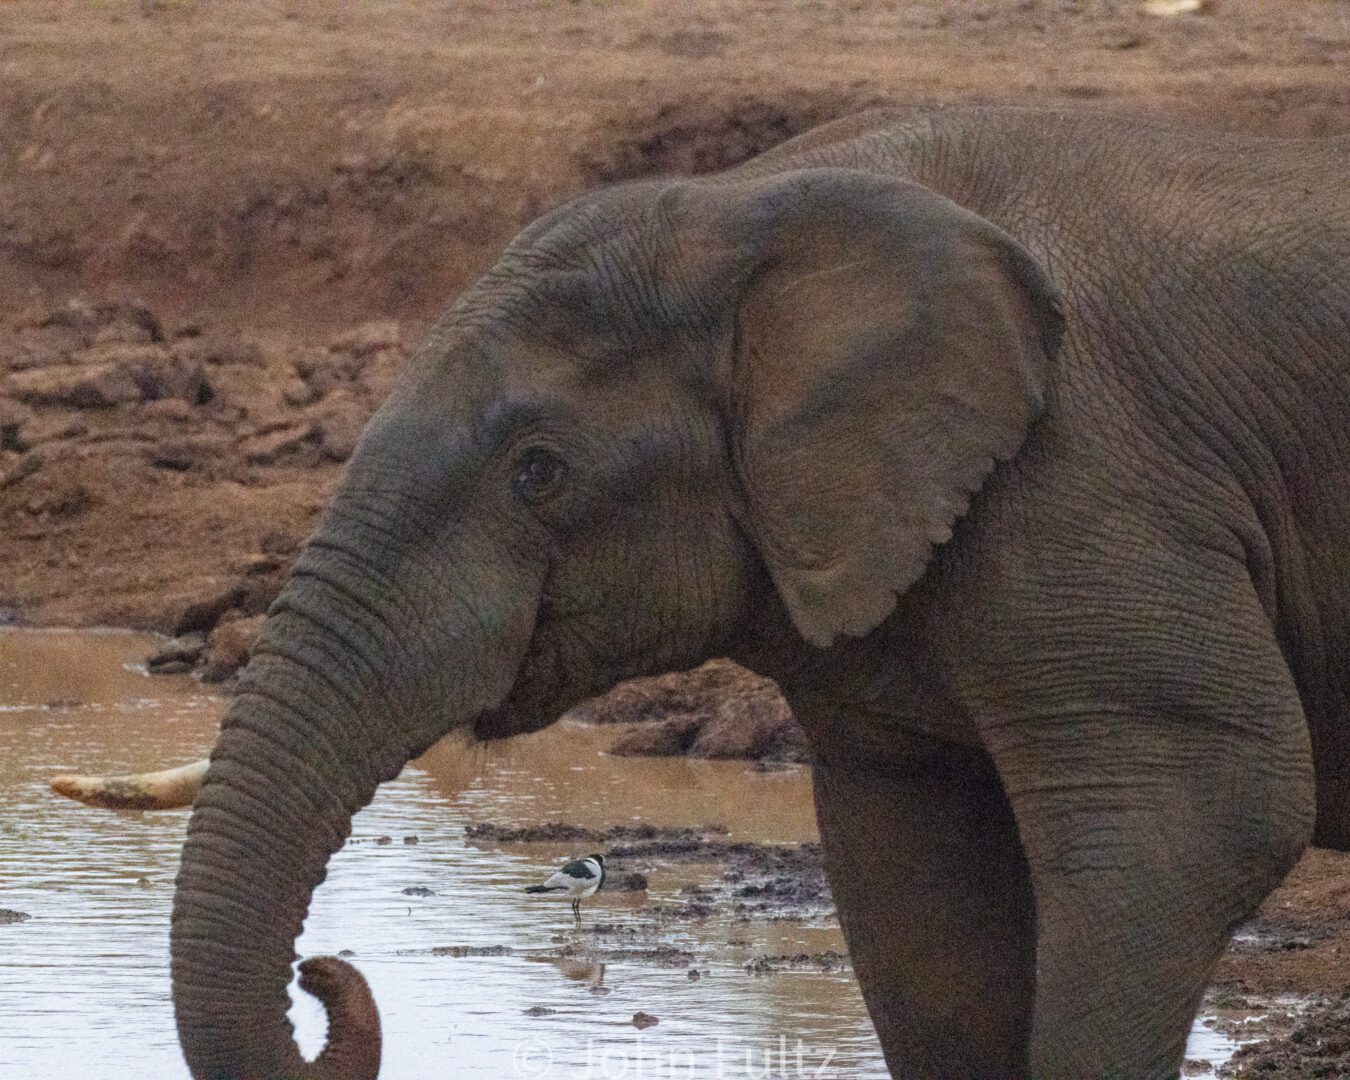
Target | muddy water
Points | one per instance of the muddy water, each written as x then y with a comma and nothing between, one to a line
84,986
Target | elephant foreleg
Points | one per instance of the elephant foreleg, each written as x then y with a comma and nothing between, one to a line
935,901
1150,838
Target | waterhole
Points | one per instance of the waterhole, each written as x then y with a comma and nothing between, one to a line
474,977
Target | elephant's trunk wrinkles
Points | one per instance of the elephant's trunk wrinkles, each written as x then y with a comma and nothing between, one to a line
292,765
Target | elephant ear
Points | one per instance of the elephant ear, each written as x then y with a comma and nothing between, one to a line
889,347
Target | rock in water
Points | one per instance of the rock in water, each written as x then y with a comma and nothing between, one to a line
229,647
718,710
177,655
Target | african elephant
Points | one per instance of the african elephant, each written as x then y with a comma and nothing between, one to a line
1014,444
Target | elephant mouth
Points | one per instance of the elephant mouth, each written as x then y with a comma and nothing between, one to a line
508,720
539,696
545,687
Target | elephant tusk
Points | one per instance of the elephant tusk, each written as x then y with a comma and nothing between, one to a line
166,790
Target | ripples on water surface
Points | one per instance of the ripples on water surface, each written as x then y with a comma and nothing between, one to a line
84,989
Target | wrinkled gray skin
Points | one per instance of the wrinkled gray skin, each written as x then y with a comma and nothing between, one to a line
740,416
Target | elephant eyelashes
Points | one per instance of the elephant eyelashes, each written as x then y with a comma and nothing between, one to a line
538,474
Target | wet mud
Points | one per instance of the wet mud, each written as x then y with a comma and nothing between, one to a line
1318,1045
753,881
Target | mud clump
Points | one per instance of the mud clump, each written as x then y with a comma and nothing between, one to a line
177,655
1276,932
694,911
461,951
741,856
758,881
659,955
718,710
829,960
629,881
558,832
229,647
1319,1046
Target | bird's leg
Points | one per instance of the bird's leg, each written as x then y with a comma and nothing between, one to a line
576,911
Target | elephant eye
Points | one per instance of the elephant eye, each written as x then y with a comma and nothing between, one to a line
538,472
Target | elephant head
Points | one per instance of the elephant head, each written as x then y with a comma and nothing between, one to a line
676,418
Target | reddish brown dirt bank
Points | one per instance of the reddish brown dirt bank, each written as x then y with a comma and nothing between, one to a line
224,226
290,171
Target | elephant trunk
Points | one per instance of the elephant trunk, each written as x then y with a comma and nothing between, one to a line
295,760
370,654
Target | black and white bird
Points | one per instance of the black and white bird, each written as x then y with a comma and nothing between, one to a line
577,880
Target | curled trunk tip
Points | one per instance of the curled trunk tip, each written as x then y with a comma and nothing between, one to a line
353,1050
